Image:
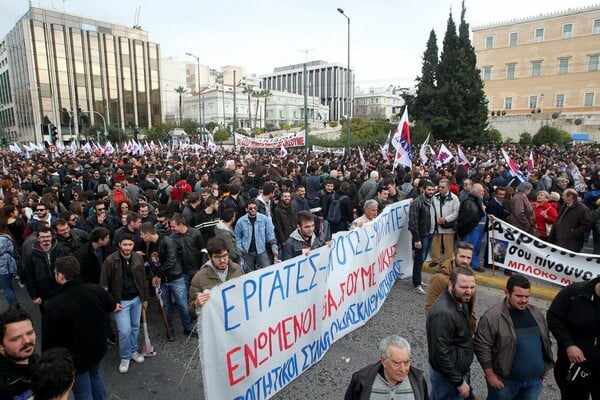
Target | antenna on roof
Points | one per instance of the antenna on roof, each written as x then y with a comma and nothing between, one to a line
136,18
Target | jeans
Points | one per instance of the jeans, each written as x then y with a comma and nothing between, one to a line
420,256
518,390
7,289
256,261
128,324
177,290
89,385
443,389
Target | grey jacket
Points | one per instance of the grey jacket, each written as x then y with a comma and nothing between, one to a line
446,207
495,340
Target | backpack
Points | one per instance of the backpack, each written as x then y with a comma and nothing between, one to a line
163,197
334,213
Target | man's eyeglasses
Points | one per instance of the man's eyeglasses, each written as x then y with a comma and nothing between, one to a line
40,209
220,256
252,208
100,209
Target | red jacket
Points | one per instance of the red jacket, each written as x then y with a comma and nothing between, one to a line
540,221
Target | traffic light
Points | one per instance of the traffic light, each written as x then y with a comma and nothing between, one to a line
4,142
53,134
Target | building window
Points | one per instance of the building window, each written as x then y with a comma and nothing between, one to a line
508,103
593,62
539,35
567,31
596,29
533,101
536,68
560,100
487,73
510,70
588,99
489,42
513,39
563,65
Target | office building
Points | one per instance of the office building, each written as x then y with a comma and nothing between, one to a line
74,72
327,81
378,103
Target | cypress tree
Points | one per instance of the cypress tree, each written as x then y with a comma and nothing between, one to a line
474,124
424,104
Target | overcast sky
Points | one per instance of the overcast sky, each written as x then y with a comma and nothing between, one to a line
388,37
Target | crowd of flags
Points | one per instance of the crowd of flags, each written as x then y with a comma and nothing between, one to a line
403,155
400,140
131,146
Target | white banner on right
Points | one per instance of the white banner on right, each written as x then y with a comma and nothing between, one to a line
513,249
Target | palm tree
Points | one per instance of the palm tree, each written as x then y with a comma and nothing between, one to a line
266,94
258,95
249,91
181,91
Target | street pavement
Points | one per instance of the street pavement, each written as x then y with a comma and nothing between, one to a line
174,373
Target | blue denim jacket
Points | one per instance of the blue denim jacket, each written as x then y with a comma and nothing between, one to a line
264,233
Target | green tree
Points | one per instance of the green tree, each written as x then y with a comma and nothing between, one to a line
525,139
248,89
158,132
265,94
495,135
424,105
189,126
180,90
221,135
210,126
549,135
409,99
474,123
333,124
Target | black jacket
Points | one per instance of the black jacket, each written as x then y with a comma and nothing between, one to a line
469,215
89,263
284,221
362,381
77,239
39,269
574,319
169,267
449,338
189,249
15,379
419,218
75,320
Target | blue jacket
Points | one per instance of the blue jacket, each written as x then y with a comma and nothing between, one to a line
263,231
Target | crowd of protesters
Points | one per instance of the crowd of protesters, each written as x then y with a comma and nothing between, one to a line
159,209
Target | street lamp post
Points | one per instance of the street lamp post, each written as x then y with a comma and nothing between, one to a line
101,116
199,100
348,111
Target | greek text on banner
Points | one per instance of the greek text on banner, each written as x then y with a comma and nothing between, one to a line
513,249
262,330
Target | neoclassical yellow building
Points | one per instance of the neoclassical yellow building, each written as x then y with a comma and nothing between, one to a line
547,64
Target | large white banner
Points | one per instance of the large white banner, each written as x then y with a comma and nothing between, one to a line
291,140
513,249
262,330
338,151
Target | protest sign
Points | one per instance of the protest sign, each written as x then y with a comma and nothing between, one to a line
262,330
513,249
292,140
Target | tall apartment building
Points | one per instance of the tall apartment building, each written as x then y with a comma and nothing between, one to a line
544,64
328,81
56,67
